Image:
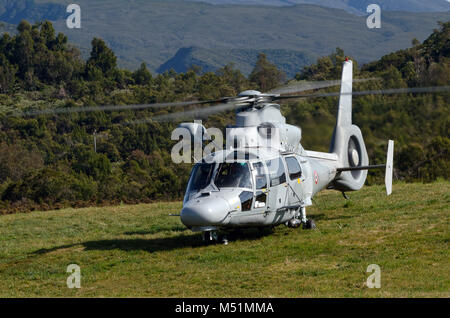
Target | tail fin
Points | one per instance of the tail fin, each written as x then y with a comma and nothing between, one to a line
347,142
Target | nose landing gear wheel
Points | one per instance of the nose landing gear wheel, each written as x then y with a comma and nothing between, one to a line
212,237
209,236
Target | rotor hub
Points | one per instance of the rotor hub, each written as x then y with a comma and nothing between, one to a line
253,98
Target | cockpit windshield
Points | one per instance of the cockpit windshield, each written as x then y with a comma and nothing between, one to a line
200,177
228,175
233,175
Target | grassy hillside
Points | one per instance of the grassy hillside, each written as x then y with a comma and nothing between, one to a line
141,251
153,31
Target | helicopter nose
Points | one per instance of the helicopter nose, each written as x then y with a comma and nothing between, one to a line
204,213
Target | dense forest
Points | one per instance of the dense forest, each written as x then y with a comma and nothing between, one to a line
50,161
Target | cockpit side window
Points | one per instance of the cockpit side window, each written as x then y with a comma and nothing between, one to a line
294,169
276,172
233,175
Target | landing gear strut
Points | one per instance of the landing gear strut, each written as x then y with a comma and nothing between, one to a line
300,219
307,223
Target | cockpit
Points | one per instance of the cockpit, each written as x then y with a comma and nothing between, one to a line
218,176
233,175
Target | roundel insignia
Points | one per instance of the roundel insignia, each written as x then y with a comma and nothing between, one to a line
316,177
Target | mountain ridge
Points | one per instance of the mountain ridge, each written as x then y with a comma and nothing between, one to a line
352,6
289,61
151,32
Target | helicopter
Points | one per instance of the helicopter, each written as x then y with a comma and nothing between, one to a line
265,177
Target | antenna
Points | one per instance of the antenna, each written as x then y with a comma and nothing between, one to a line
95,140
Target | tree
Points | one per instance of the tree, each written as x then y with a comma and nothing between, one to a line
327,67
23,50
438,44
142,76
234,78
102,57
266,75
48,34
92,164
7,74
16,162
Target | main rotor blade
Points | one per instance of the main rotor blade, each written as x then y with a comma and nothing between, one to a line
196,113
86,109
301,86
393,91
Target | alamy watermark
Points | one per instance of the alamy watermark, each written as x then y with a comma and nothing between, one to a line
374,19
196,143
73,21
74,279
374,280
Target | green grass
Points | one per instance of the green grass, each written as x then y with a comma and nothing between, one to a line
140,251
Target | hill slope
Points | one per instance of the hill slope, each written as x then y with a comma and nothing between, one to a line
13,11
127,251
352,6
243,59
153,31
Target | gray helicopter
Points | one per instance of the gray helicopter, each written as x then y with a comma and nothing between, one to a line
265,178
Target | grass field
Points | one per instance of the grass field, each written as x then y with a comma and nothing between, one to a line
140,251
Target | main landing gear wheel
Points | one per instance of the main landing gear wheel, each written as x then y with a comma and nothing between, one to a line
309,225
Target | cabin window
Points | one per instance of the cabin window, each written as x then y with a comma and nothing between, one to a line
246,198
276,172
260,176
260,199
294,169
233,175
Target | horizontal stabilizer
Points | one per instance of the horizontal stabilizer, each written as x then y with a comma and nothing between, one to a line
361,168
389,167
